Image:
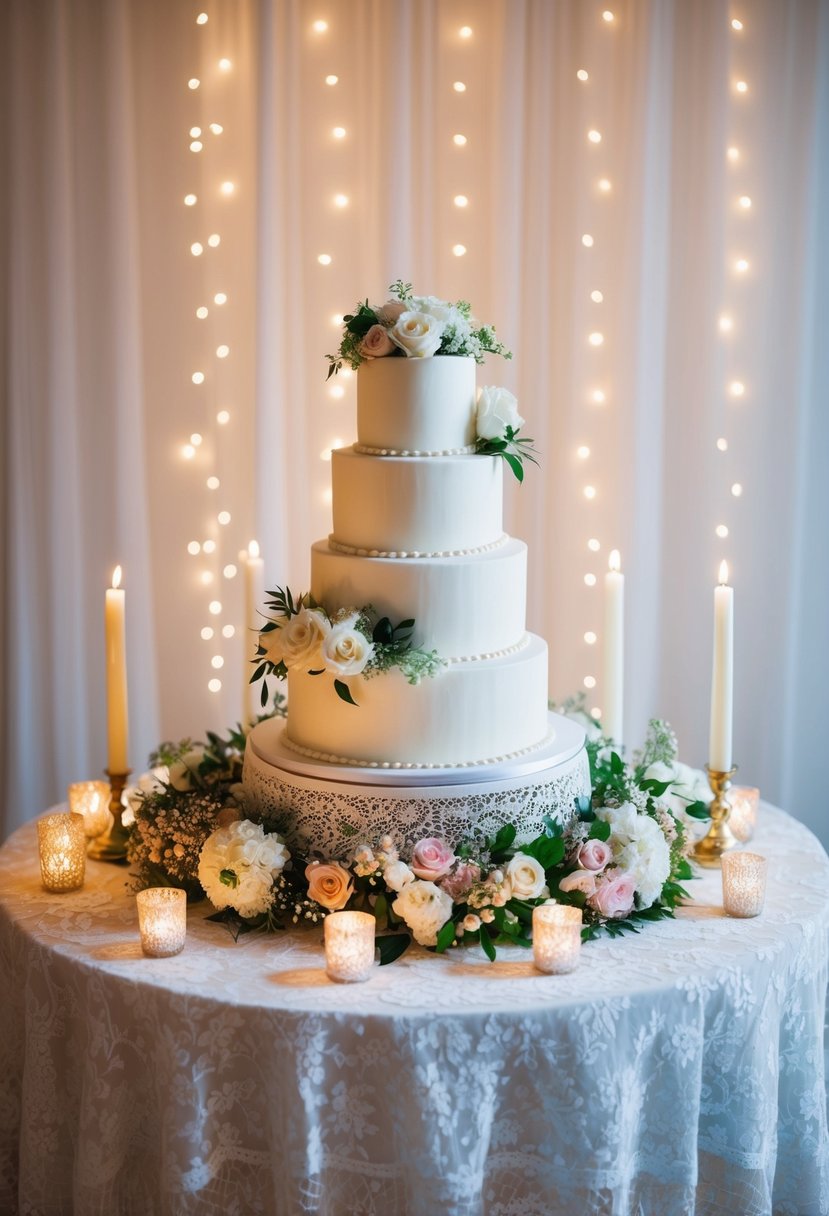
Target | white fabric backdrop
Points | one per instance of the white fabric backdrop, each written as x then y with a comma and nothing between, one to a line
99,336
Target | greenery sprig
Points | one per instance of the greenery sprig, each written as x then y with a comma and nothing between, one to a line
513,450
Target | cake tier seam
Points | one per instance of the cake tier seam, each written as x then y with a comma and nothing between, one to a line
359,551
350,762
366,450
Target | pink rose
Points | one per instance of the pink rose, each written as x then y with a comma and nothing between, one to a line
376,343
461,880
579,880
329,885
594,855
614,896
432,858
390,311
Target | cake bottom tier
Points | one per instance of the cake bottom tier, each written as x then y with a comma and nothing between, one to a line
331,808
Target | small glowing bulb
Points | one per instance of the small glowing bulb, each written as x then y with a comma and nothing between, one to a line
229,570
723,573
193,83
223,518
197,249
195,439
347,373
581,74
332,79
337,319
214,685
222,352
741,86
214,240
319,27
217,661
201,19
594,136
596,297
459,250
736,24
220,298
590,580
607,15
207,633
460,200
465,31
589,681
596,339
209,546
337,390
195,132
589,491
596,714
196,145
733,154
736,388
598,396
225,65
614,562
459,140
216,128
737,489
190,200
459,86
604,185
583,452
223,417
340,200
741,265
722,444
201,313
197,377
227,187
228,631
214,607
587,241
206,577
722,531
213,483
194,548
594,545
745,202
590,638
338,132
324,259
725,323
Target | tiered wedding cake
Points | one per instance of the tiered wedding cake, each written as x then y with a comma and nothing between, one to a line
417,534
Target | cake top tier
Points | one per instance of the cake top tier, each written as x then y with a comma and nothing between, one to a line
423,406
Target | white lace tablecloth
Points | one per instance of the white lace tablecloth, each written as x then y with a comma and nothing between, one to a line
677,1071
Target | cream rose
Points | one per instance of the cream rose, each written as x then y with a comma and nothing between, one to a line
425,909
329,885
526,877
272,642
183,770
376,344
497,409
345,650
390,311
417,334
302,638
397,875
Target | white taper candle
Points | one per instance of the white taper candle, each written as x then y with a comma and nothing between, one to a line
254,598
116,672
722,679
613,689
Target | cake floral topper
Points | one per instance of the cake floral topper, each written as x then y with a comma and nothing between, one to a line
352,642
420,327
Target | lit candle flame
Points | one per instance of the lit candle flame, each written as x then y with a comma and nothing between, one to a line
723,574
253,549
116,578
615,561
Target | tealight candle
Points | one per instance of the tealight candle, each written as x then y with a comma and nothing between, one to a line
62,847
743,884
162,920
556,938
744,800
349,946
90,799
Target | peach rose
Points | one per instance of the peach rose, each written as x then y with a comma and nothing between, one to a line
390,311
376,343
329,885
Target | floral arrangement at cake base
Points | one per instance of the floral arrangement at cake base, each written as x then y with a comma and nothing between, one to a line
621,857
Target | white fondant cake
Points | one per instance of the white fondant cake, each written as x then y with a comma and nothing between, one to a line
419,534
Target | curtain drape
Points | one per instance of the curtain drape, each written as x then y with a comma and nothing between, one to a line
638,192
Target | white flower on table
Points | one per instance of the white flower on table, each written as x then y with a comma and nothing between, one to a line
424,908
497,410
526,877
417,334
152,782
345,650
238,865
687,785
303,637
639,849
185,768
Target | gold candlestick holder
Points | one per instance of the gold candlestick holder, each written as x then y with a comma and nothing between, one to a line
719,838
112,846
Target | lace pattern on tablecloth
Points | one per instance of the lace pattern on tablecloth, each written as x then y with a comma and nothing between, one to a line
677,1071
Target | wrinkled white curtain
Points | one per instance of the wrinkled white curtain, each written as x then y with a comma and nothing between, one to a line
713,365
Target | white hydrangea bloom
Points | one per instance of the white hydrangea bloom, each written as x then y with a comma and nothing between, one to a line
238,865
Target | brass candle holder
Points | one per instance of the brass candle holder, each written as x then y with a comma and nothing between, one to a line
112,846
719,838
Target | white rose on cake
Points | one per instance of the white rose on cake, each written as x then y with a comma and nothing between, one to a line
345,650
497,409
417,334
424,908
302,638
237,867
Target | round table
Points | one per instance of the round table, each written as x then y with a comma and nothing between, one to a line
679,1070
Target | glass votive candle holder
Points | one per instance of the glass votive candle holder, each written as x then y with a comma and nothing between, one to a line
62,847
91,800
556,938
162,920
744,801
349,946
743,883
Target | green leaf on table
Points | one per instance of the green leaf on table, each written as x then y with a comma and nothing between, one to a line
548,851
391,945
698,810
599,830
445,937
487,944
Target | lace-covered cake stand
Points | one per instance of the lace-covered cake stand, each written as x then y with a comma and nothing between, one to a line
328,806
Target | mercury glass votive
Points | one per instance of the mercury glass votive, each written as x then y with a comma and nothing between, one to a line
349,946
743,884
62,847
556,938
744,801
162,920
91,800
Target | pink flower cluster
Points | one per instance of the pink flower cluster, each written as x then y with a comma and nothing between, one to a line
610,892
434,861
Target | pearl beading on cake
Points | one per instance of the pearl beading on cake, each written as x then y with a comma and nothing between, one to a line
365,450
328,758
353,551
491,654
